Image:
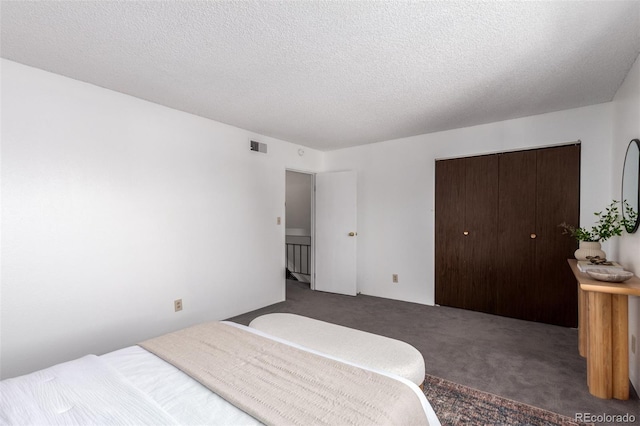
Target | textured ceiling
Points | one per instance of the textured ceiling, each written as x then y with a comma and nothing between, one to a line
331,74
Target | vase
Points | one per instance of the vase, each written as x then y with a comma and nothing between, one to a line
589,248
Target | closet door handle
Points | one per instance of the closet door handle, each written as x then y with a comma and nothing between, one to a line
533,236
465,233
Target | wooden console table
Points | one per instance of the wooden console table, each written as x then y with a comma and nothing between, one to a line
603,329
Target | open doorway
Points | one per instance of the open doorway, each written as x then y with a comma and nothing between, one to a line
299,227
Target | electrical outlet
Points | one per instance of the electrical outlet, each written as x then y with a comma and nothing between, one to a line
177,304
394,278
633,343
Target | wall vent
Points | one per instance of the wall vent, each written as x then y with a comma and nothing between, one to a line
258,147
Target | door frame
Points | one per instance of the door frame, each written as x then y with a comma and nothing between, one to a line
312,230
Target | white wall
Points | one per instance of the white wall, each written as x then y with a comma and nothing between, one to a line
396,189
626,126
112,207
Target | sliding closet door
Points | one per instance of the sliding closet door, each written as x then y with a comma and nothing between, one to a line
558,200
498,245
480,233
450,271
515,286
466,225
539,189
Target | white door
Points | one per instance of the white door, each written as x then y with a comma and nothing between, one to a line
335,230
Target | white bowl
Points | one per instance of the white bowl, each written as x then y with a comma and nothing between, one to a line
609,275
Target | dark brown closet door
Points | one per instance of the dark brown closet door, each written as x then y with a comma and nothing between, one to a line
498,245
516,249
450,259
558,200
539,189
465,233
481,227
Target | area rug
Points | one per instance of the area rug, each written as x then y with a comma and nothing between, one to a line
460,405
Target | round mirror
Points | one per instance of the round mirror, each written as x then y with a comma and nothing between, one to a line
631,186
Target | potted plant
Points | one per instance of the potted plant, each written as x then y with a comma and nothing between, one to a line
610,224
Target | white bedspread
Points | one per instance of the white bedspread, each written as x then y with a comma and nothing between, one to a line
125,387
186,400
80,392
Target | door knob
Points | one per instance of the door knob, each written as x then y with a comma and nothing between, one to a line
533,236
465,233
353,234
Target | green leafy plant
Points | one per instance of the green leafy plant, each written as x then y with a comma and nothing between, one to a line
610,224
630,216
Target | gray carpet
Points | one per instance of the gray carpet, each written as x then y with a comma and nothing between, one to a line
537,364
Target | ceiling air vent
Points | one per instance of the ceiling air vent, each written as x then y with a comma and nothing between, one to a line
258,147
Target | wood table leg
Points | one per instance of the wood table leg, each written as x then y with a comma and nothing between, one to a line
620,345
583,327
599,357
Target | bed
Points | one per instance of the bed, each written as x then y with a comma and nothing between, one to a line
149,384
